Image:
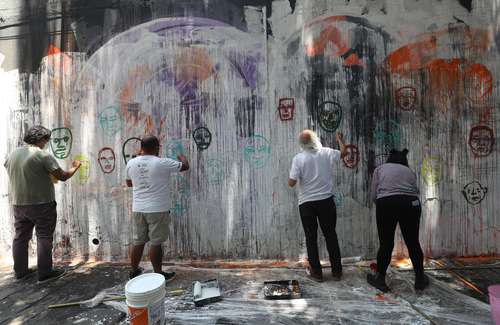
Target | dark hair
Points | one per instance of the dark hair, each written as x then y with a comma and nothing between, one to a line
36,133
149,142
398,157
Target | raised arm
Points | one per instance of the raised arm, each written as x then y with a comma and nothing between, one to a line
62,175
340,141
184,161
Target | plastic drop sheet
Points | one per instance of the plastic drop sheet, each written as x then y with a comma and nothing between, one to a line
351,301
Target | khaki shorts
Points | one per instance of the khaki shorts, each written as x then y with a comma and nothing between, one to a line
153,227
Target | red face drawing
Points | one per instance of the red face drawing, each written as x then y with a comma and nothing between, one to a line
406,98
481,140
351,160
106,159
286,108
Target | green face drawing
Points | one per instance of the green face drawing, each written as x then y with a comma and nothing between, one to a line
60,142
257,151
110,120
387,134
214,172
174,148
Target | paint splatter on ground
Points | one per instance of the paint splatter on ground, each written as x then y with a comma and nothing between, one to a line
350,301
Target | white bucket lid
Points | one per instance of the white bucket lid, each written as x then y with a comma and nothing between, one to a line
145,284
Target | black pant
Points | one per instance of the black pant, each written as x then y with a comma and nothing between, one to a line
405,210
43,218
325,213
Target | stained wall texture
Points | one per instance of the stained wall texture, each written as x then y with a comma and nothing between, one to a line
230,84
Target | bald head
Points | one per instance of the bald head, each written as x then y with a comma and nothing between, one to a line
308,140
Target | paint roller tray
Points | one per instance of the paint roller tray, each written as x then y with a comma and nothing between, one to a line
284,289
206,292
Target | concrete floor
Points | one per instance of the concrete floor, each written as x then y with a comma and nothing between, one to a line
447,301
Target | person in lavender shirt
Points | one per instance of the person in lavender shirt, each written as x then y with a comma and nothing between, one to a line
396,194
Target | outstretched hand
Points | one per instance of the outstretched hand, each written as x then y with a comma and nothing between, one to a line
339,136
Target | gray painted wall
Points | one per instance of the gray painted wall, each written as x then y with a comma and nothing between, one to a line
416,74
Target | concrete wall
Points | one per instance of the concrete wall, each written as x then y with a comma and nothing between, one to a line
215,80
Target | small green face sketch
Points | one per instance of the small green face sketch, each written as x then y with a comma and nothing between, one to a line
257,151
60,142
110,120
214,172
330,116
174,148
84,170
388,134
432,170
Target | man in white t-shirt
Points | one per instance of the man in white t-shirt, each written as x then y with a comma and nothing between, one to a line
312,169
149,176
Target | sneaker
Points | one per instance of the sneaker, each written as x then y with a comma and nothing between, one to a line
169,276
314,275
378,281
337,275
421,282
23,276
54,274
134,272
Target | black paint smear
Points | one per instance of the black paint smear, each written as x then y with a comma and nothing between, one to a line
467,4
292,5
358,43
260,3
245,115
88,22
316,88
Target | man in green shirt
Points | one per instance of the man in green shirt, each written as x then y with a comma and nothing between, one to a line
32,173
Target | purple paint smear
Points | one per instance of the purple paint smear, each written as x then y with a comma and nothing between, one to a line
246,67
185,22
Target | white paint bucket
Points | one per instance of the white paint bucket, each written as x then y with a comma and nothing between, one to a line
145,299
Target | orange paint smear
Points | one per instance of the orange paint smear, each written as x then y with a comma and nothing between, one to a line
413,56
193,64
136,77
53,50
479,82
416,55
332,35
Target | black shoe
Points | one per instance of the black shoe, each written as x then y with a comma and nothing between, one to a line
378,281
134,272
337,275
315,275
54,274
169,276
23,276
421,282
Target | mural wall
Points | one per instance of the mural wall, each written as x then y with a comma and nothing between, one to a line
230,84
